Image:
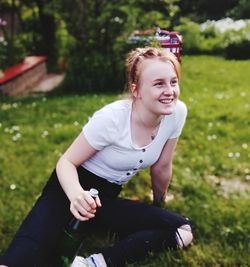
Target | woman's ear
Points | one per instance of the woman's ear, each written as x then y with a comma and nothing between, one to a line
134,90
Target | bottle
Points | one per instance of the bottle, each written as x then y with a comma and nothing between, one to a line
71,240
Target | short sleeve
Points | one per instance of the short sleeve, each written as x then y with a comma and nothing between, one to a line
100,130
180,118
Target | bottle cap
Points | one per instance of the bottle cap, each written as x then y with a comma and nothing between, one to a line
93,192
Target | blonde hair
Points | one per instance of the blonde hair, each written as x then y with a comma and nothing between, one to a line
137,56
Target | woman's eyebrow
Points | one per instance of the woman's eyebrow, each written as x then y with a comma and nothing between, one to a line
163,79
158,80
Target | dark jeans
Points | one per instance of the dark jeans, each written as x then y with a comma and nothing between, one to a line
141,227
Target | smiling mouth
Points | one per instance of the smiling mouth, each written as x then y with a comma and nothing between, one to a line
166,100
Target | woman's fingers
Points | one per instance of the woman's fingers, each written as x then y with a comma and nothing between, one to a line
90,200
81,214
82,200
98,202
84,206
77,215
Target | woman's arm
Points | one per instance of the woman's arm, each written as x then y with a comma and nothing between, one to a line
161,172
82,204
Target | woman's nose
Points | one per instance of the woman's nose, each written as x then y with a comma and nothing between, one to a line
168,90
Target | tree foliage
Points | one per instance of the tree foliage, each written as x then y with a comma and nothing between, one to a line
202,10
101,29
242,10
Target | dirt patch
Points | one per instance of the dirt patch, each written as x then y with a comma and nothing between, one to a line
229,186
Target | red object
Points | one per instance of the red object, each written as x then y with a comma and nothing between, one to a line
18,69
170,41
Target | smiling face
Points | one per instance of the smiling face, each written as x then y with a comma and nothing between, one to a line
157,86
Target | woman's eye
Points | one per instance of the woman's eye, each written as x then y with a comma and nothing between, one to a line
159,84
174,82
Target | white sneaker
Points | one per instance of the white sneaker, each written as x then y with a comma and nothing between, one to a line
81,262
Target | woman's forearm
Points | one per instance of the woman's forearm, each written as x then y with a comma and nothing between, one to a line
160,183
68,178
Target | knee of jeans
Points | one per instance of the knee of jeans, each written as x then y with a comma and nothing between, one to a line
184,236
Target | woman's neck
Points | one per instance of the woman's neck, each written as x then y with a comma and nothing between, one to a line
144,117
144,125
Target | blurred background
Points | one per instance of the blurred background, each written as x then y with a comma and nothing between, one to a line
86,39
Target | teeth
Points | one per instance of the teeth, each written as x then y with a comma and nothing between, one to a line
166,101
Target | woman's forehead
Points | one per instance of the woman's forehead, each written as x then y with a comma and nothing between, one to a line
156,67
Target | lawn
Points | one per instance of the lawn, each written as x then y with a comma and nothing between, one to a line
211,181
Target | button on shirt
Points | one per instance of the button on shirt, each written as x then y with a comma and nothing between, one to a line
109,132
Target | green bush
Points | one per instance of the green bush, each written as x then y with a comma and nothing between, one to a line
95,72
192,37
11,52
224,37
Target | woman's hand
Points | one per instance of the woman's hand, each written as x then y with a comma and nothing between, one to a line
83,206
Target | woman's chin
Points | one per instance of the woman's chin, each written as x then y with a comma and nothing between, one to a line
168,110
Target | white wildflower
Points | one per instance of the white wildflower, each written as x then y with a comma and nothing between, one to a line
244,146
57,125
15,128
12,186
237,154
212,137
209,138
16,137
44,134
219,96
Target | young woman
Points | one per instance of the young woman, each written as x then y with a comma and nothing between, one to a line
118,141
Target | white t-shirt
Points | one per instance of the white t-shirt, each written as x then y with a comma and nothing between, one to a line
109,131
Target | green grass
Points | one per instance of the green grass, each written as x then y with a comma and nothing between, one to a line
213,152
